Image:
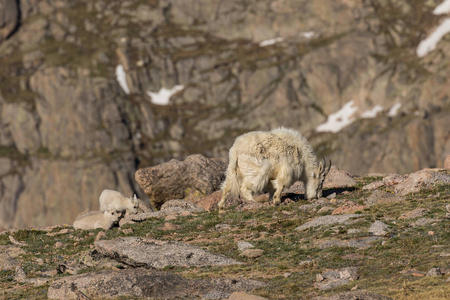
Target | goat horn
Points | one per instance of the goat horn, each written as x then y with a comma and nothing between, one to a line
329,167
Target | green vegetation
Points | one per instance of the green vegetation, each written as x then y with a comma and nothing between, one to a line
290,260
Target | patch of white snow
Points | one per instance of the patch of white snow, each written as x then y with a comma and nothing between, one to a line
339,119
393,111
429,44
308,34
122,78
270,42
163,96
373,112
443,8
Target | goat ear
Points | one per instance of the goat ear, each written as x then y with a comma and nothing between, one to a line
320,167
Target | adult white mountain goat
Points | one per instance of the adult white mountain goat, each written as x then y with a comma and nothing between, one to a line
270,161
110,199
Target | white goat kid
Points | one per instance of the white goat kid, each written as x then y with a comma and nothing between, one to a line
110,199
98,219
270,161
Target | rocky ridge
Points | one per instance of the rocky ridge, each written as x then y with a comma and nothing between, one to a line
69,129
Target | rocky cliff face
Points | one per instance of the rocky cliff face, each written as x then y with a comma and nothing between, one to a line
69,129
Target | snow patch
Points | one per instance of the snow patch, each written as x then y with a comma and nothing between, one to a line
429,44
122,78
372,113
393,111
270,42
308,34
339,119
443,8
163,96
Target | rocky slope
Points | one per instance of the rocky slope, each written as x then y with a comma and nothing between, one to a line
69,129
375,237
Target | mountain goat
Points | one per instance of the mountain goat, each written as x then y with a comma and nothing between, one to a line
98,219
272,160
110,199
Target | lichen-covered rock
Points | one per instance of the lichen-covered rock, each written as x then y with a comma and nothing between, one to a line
329,220
194,177
423,179
338,179
158,254
143,283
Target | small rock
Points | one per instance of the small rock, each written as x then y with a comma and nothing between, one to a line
338,179
58,245
100,235
354,295
40,261
245,296
334,278
251,253
331,196
381,197
378,228
348,208
447,163
222,227
423,221
353,231
287,274
7,262
170,226
325,210
127,230
445,254
242,245
329,220
20,274
16,242
434,272
447,207
416,213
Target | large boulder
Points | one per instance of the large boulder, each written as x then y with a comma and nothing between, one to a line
9,17
423,179
196,176
158,254
144,283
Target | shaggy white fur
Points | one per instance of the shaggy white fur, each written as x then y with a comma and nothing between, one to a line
272,160
110,199
93,220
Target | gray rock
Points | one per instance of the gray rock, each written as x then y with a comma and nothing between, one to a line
7,262
194,177
242,245
334,278
378,228
144,283
423,222
179,206
354,295
433,272
20,274
158,254
423,179
360,243
329,220
381,197
416,213
338,179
